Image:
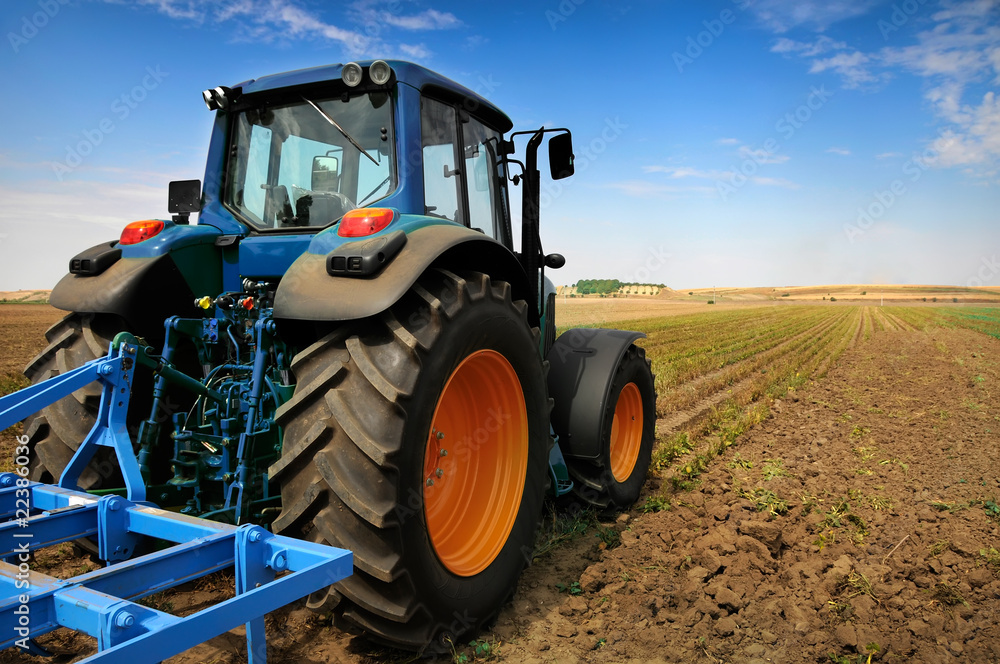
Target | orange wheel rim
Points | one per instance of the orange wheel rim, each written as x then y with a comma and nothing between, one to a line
475,463
626,432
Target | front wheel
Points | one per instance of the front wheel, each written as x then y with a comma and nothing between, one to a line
419,440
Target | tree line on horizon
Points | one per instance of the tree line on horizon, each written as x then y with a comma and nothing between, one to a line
605,286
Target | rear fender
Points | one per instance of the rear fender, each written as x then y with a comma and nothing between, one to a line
151,281
582,365
309,292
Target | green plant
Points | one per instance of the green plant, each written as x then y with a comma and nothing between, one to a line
655,504
880,503
992,557
948,595
763,499
610,538
573,588
669,450
739,462
480,650
855,584
774,468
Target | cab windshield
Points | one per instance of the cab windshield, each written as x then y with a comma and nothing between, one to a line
307,163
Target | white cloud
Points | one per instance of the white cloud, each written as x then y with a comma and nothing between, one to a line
781,15
645,189
888,155
960,52
77,214
762,156
806,49
276,20
728,141
415,51
854,68
686,172
774,182
430,19
958,56
841,151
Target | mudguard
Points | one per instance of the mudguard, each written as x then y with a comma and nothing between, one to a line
151,281
309,292
582,364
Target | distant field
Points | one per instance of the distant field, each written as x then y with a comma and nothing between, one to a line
24,296
858,293
596,311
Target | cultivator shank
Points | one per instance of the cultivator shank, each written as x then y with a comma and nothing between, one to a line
270,571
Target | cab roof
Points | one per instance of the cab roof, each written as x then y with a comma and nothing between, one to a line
421,78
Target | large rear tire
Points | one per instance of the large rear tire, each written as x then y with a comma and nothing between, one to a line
614,480
419,440
55,432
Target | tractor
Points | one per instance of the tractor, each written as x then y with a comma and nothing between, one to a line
347,347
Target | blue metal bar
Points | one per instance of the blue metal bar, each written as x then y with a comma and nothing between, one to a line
101,603
110,429
49,528
17,406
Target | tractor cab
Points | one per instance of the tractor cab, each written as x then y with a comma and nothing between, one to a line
295,152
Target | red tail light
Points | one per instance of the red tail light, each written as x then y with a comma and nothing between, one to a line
364,221
138,231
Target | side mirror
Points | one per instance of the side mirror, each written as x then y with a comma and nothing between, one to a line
183,197
561,156
325,172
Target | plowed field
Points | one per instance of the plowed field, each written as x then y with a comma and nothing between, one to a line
825,489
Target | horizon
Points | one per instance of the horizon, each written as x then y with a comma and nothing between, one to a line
735,141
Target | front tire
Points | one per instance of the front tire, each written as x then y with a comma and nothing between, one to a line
419,440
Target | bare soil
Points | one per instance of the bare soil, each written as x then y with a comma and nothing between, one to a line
884,544
860,519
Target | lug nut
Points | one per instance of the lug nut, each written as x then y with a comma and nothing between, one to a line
439,472
430,482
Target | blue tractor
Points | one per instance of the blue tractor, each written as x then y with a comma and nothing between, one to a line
348,348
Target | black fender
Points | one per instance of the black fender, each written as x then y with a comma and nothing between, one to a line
143,291
309,292
582,365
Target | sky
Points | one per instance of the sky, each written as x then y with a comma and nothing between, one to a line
718,143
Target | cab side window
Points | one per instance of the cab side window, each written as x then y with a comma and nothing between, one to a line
481,147
442,173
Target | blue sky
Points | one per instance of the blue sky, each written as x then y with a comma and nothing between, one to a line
727,143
